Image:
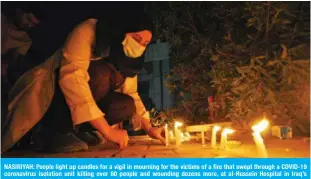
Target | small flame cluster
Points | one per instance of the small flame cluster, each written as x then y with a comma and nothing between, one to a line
183,136
260,127
224,131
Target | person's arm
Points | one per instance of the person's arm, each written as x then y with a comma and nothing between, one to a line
141,114
74,75
145,124
141,118
74,79
109,133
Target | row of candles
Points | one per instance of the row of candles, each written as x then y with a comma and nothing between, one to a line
257,130
179,136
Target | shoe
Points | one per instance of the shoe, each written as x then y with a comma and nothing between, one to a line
89,137
64,143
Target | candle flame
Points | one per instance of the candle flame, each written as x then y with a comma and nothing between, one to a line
171,135
257,136
261,126
188,135
228,131
178,124
216,128
185,136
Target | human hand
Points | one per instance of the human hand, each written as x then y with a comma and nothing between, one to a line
157,133
111,134
118,136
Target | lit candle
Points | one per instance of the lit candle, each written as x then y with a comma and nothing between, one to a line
166,135
171,135
224,138
188,136
260,127
214,136
203,137
177,133
182,136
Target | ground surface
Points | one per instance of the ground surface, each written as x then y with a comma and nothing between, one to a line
143,147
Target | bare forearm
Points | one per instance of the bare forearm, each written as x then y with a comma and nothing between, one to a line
101,125
153,132
146,125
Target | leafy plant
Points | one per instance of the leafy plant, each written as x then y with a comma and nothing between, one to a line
272,76
255,54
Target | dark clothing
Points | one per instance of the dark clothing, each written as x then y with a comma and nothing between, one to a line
104,79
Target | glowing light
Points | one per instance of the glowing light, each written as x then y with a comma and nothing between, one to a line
214,136
216,128
260,127
228,131
178,124
171,134
224,137
188,135
177,132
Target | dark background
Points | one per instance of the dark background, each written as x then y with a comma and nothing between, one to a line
59,18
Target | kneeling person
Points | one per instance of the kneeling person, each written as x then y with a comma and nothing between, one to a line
61,83
113,83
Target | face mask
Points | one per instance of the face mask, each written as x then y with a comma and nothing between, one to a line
132,48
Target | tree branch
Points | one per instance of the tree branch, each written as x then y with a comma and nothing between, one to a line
267,26
192,24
